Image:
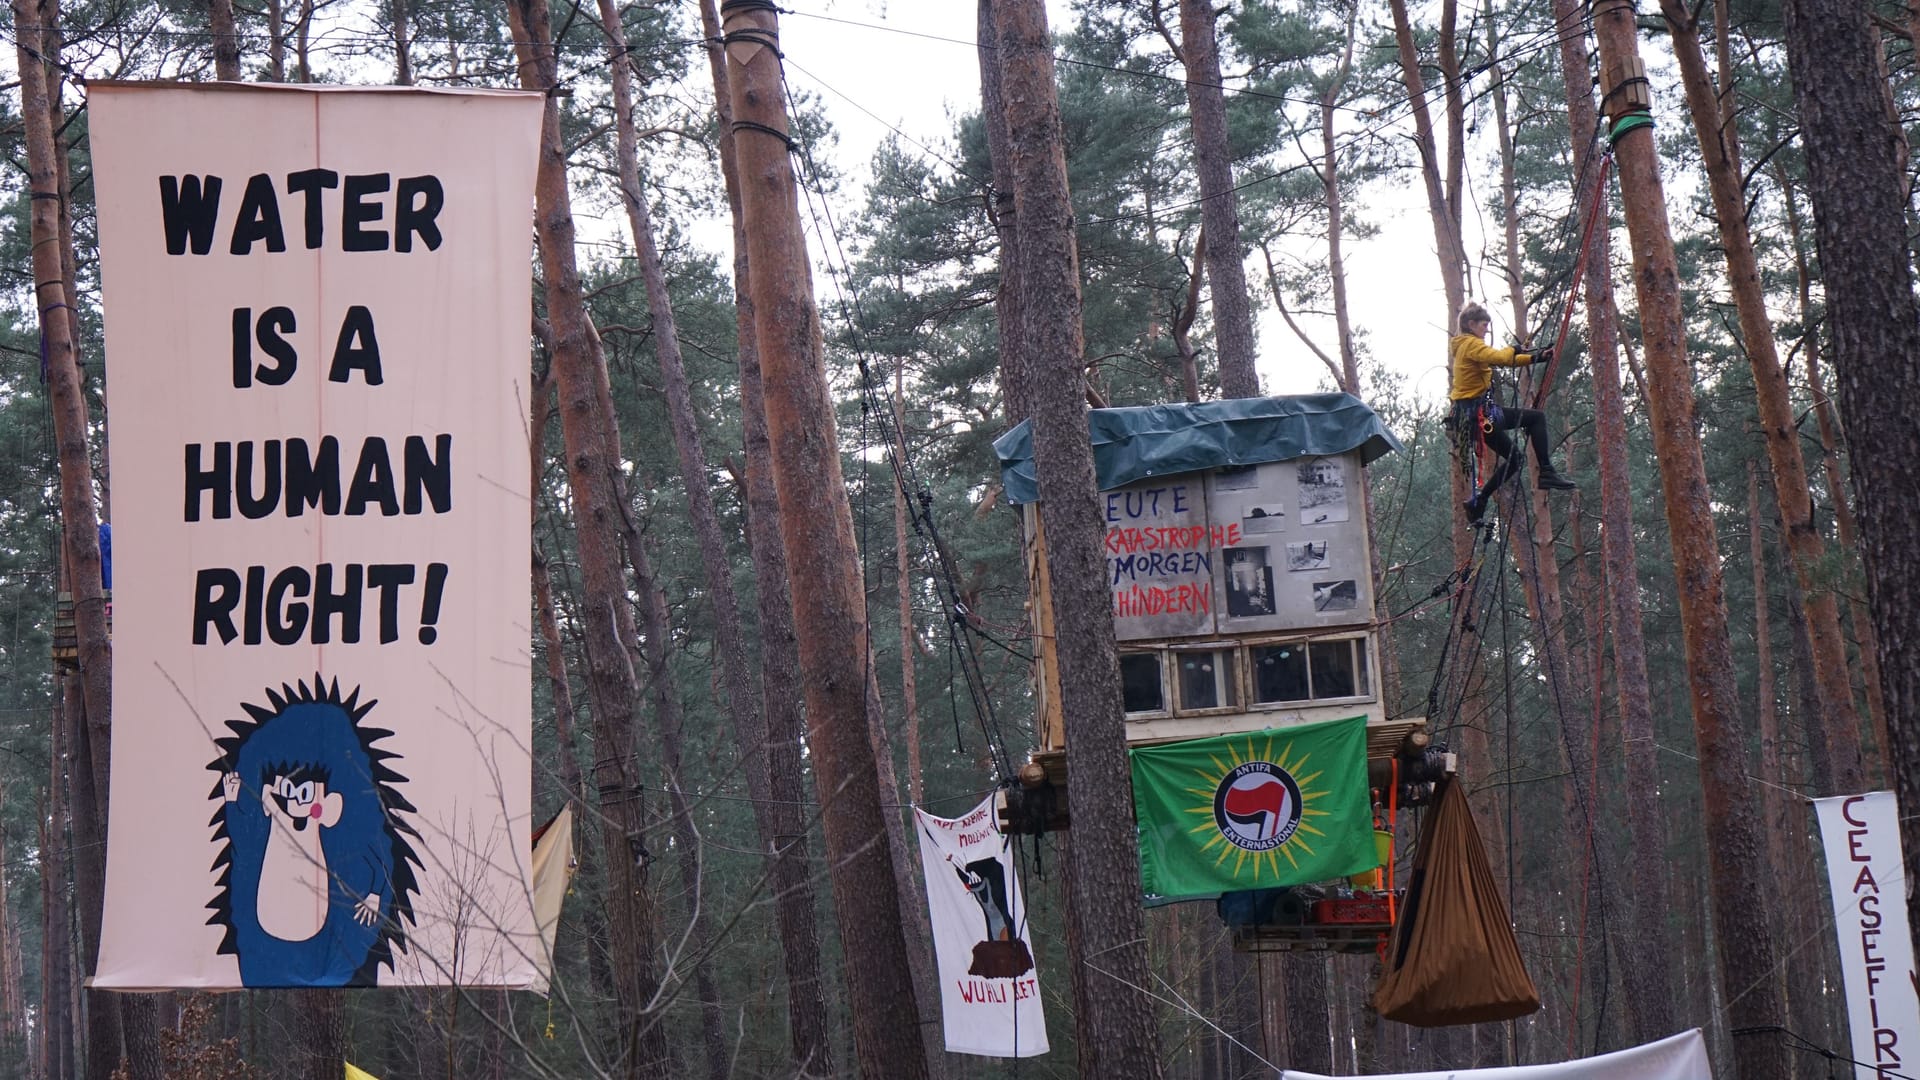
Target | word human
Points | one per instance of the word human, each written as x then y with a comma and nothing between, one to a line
291,477
190,212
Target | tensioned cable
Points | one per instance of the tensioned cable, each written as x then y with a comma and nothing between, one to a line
919,502
1583,790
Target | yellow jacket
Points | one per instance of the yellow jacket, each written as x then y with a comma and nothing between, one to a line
1473,364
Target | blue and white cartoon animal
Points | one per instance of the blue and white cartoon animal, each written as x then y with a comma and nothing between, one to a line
317,877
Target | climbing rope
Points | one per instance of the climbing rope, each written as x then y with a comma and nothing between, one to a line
1595,204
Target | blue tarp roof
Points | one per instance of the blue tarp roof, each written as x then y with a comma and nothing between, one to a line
1158,440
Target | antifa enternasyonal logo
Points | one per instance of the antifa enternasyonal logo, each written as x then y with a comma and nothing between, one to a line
1257,806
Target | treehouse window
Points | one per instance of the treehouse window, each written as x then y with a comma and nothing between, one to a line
1141,689
1206,679
1280,672
1299,671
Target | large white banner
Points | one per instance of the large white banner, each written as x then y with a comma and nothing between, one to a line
1861,835
317,321
989,991
1676,1057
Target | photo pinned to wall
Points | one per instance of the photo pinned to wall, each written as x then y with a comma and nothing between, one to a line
1249,582
1307,555
1323,491
1263,518
1237,478
1330,597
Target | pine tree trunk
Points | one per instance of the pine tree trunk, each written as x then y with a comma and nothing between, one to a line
1649,986
743,704
1014,365
592,440
79,522
276,41
656,631
816,526
1858,189
319,1033
226,40
1224,258
1343,329
56,917
1446,223
558,687
402,42
921,964
779,649
909,637
1808,906
80,549
1219,212
1720,157
1827,418
1766,708
1336,213
1736,855
1116,1036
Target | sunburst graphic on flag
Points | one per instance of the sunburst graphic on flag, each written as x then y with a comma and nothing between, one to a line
1259,808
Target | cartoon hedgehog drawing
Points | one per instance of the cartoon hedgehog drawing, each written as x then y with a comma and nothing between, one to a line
317,877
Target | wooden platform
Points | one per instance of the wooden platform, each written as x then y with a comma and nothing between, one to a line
1383,738
1311,937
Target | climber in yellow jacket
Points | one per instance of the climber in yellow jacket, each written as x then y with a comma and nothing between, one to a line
1473,364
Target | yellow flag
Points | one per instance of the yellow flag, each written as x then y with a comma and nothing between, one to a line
358,1074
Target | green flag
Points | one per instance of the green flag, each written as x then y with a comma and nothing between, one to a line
1283,806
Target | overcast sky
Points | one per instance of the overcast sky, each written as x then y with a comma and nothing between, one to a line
912,65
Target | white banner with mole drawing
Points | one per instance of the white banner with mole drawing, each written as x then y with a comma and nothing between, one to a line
989,991
317,304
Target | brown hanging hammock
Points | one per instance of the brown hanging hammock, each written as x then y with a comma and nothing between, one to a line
1453,959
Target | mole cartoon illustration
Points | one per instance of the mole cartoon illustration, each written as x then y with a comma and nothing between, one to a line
317,876
985,879
1002,954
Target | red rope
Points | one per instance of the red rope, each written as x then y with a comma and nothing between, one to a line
1579,268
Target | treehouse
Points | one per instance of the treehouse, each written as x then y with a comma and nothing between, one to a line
1239,566
1240,573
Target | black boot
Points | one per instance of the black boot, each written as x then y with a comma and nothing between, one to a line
1476,508
1549,479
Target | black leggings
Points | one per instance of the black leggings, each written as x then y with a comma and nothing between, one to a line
1532,421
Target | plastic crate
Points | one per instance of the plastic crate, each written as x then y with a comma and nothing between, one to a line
1360,910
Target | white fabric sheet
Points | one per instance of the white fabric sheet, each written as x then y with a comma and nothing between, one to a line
360,284
1677,1057
1861,835
989,990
